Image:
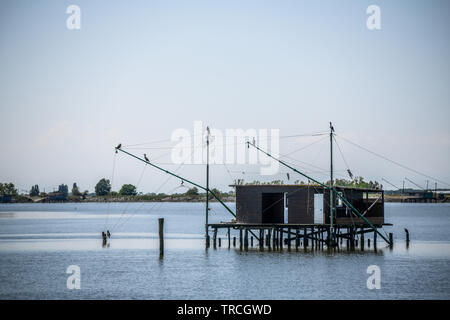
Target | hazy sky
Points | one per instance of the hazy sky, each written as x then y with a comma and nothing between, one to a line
138,70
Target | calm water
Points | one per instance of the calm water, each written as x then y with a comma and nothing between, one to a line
39,241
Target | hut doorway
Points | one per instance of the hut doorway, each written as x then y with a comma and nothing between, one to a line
318,208
272,207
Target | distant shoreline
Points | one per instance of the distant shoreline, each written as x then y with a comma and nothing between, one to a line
119,200
168,198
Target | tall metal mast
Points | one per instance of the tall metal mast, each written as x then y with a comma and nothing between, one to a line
207,181
331,183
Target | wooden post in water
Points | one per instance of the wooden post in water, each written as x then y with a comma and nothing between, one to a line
161,237
268,238
362,239
240,239
229,238
368,243
261,238
234,242
220,242
352,238
391,240
297,239
274,238
289,239
281,238
251,241
375,240
215,237
246,238
305,240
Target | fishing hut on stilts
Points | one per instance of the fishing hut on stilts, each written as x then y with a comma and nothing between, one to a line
313,216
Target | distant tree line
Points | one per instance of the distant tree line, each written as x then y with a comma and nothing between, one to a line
103,189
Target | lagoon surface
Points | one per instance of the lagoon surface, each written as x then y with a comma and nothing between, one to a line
39,241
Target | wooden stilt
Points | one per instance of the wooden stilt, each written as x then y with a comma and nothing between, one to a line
297,239
281,238
229,238
362,239
375,240
240,239
289,239
274,238
261,238
246,238
305,239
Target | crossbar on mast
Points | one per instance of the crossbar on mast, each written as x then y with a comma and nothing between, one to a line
181,178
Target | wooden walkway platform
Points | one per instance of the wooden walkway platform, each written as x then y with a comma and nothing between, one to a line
314,236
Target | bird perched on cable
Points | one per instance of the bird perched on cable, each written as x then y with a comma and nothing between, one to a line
287,173
182,182
118,146
331,127
350,174
145,157
254,142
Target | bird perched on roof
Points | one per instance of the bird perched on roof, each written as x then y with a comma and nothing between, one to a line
145,157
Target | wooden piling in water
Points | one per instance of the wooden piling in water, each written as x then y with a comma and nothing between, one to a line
246,238
240,239
362,239
305,239
391,240
161,236
352,238
368,243
261,238
220,242
215,237
281,238
289,239
251,241
274,238
375,240
297,239
229,238
234,242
